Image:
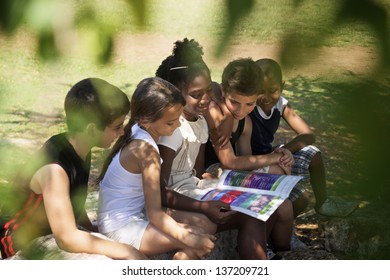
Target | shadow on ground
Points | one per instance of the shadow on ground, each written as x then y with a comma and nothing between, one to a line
351,123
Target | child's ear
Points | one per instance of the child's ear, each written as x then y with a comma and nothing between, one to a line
144,123
282,86
90,129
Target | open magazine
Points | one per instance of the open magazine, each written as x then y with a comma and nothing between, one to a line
253,193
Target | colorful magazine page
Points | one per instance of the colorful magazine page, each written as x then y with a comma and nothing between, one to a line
260,206
263,182
253,193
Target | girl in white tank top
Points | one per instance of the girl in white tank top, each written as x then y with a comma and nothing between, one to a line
130,199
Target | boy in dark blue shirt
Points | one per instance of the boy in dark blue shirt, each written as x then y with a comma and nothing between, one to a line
270,108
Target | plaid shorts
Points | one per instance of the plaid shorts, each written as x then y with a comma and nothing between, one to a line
302,160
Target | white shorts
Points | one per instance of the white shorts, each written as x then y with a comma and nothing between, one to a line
130,234
193,187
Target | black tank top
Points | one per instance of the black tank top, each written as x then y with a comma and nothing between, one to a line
31,212
211,157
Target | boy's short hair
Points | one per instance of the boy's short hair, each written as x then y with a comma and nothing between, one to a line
244,76
270,69
94,100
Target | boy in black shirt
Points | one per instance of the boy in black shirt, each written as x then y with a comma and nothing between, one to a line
55,183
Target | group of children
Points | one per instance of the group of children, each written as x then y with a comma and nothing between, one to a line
183,128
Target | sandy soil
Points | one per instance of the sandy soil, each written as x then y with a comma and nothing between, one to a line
325,61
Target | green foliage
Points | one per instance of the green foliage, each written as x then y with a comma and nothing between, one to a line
374,16
236,11
55,22
12,13
92,26
139,7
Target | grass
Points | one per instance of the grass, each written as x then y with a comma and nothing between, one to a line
268,21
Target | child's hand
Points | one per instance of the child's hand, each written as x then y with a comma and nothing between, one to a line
202,244
286,169
217,211
286,159
220,136
209,176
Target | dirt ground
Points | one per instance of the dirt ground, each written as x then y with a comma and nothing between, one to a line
325,61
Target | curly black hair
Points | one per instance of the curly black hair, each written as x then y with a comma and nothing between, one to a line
185,63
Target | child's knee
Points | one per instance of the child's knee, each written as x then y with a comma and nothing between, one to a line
285,211
186,254
305,198
276,169
207,225
300,203
316,161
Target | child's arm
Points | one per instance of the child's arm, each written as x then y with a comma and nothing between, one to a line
175,200
167,154
53,183
221,133
243,147
227,156
85,222
149,164
305,135
199,163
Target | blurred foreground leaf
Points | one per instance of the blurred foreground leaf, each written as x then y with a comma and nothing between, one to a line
372,14
12,14
139,7
236,11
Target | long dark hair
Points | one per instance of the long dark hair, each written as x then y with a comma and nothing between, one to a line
152,97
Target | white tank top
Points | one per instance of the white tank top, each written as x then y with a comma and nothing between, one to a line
121,194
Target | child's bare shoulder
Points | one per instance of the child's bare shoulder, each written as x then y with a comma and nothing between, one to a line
216,110
214,105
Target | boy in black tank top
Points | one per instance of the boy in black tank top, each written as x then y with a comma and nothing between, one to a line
230,113
239,90
54,184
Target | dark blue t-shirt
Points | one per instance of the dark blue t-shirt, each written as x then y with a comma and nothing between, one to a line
264,127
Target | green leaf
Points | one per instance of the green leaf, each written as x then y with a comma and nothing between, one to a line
12,14
236,11
140,11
